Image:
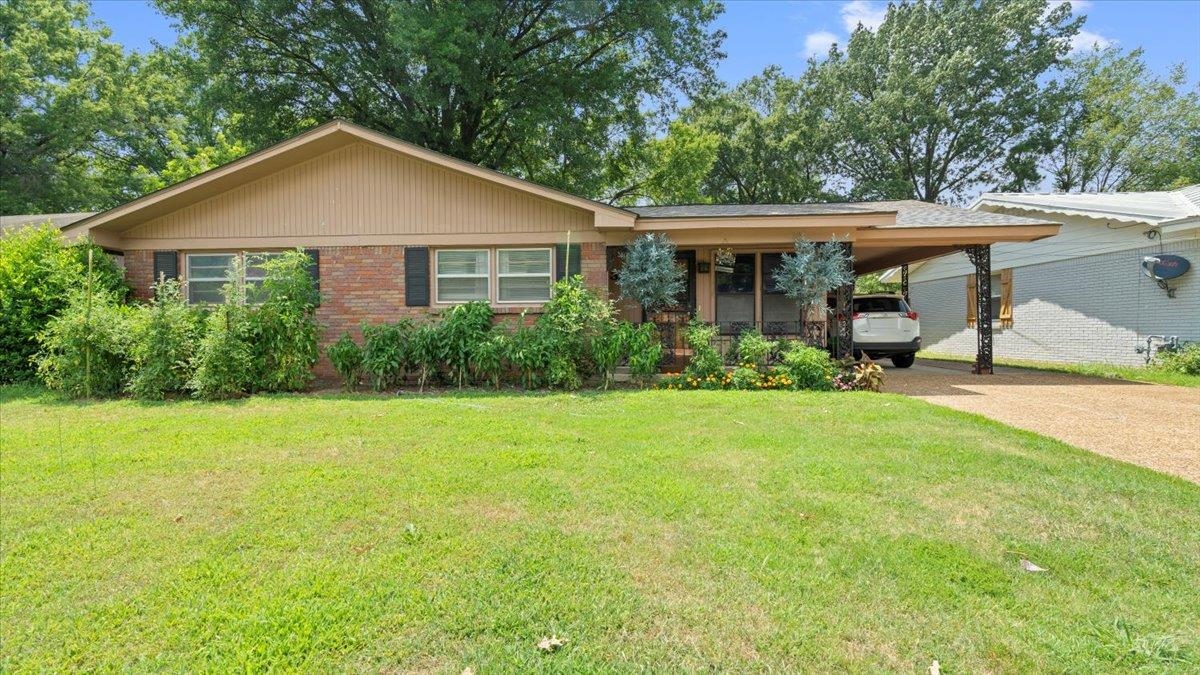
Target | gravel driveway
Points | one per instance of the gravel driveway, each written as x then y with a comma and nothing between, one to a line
1153,425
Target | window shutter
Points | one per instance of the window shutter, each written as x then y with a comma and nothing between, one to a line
416,276
564,254
166,264
1006,307
314,269
971,301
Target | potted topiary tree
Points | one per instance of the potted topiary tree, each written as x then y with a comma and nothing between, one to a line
810,272
649,274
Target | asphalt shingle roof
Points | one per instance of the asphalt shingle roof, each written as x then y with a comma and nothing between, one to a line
60,220
909,212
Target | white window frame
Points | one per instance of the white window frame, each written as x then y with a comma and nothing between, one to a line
549,276
438,276
997,291
187,265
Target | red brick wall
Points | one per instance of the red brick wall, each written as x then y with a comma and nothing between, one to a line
364,283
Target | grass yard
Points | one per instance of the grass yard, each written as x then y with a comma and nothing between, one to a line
652,530
1105,370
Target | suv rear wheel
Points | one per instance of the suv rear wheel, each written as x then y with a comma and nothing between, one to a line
904,360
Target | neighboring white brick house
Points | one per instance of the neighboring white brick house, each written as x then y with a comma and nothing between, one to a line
1079,296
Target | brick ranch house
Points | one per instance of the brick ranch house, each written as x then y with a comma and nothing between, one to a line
398,230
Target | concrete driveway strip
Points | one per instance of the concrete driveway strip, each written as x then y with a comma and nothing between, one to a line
1152,425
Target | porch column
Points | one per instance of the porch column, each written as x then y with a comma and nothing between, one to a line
980,255
844,317
904,283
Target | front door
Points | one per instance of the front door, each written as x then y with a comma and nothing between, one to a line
735,295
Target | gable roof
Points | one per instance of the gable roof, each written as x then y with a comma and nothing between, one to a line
311,143
1158,208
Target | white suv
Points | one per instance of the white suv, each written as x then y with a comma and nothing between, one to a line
885,326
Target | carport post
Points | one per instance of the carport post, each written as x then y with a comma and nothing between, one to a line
981,256
844,316
904,282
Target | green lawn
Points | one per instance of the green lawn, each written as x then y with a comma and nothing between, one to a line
652,530
1105,370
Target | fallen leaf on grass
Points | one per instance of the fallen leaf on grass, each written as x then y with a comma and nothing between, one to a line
935,668
550,644
178,519
1028,566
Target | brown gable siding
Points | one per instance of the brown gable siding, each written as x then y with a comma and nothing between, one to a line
359,191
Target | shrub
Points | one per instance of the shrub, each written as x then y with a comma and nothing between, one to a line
809,367
38,272
752,347
285,325
745,377
347,359
84,348
487,357
645,352
464,326
705,359
1185,360
164,339
224,361
864,376
387,353
572,320
608,347
649,274
425,351
529,352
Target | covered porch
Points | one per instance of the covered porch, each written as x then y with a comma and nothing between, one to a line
729,254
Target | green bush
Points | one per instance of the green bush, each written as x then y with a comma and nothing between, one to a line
809,367
752,347
645,352
84,349
164,337
706,360
425,351
347,359
1185,360
608,347
572,320
463,327
487,357
387,353
285,326
224,361
529,353
38,271
745,377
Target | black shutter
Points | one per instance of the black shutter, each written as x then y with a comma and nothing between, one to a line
166,264
314,267
416,276
561,257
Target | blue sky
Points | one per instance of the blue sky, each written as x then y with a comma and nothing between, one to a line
762,32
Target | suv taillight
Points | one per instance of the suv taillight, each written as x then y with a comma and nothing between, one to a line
912,315
856,316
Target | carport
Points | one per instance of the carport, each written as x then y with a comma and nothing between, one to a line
744,240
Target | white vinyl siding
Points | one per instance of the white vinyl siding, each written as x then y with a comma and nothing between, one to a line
523,275
462,275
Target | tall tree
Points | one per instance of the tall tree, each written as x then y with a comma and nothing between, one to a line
770,149
944,96
535,87
1126,129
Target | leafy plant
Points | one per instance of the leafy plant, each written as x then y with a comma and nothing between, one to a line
38,273
745,377
529,353
706,360
387,353
164,338
571,320
347,359
608,347
809,367
811,270
463,327
224,361
84,348
649,274
645,352
1185,360
487,357
425,351
285,326
752,347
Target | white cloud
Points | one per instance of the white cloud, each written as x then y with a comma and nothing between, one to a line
818,44
1085,40
869,14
